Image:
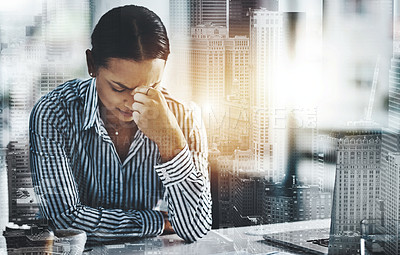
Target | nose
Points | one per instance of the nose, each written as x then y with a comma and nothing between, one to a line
128,100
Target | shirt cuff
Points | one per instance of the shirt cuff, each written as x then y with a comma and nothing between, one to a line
177,169
153,222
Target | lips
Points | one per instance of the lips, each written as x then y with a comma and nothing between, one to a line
126,113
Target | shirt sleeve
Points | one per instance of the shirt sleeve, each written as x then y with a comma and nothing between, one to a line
185,178
57,191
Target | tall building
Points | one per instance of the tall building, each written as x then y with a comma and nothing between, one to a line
392,204
265,56
247,203
226,179
243,162
212,11
357,190
233,14
227,170
207,52
220,65
391,145
187,14
237,68
247,191
23,206
239,16
296,203
215,67
208,62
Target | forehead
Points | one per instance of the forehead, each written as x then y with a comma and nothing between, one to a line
132,73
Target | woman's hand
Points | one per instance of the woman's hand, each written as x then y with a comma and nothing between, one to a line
167,225
153,117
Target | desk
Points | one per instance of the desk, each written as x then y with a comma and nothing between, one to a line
241,240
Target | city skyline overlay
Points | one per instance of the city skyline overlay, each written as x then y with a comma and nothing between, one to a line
300,102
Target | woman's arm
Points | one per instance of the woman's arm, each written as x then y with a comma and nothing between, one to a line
182,167
57,191
186,179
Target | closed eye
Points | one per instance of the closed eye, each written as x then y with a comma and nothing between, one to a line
118,90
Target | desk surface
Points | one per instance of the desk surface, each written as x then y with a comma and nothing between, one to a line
241,240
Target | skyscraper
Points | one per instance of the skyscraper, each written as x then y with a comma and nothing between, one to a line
249,192
239,16
215,67
391,145
233,14
392,203
237,68
357,190
233,187
207,66
187,14
212,11
23,205
296,203
265,56
225,191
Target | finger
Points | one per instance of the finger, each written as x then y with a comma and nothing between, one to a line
157,86
141,89
145,111
136,117
142,98
146,90
138,107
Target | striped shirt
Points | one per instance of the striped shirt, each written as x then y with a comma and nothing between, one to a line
81,182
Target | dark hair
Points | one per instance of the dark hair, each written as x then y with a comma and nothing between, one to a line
129,32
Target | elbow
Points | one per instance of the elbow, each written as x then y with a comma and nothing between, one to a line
66,219
197,234
195,230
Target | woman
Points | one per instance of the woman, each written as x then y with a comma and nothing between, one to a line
107,152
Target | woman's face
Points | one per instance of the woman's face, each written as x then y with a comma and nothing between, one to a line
116,82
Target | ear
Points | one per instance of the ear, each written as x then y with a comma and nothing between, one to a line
90,63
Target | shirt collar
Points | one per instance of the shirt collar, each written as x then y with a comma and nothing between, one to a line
91,105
